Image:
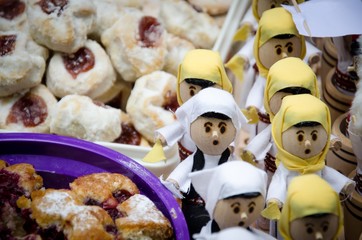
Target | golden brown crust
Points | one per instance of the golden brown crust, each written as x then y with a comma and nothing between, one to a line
29,180
63,209
142,220
101,186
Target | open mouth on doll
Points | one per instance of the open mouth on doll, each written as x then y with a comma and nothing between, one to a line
307,151
241,224
215,142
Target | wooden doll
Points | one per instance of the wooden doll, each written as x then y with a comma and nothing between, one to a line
301,131
234,195
288,76
276,38
312,210
201,68
212,119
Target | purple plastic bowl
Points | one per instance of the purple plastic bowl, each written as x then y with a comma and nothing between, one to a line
59,160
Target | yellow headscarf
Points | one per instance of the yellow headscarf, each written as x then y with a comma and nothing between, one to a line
203,64
307,195
296,109
289,72
255,8
274,22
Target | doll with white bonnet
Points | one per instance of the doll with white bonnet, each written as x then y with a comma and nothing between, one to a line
234,194
200,68
312,210
276,38
212,119
301,131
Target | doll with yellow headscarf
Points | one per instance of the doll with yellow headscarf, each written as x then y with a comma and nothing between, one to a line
288,76
276,38
301,131
200,68
312,210
241,64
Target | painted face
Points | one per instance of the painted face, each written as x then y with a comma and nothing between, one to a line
238,211
264,5
211,135
310,228
304,142
275,49
188,90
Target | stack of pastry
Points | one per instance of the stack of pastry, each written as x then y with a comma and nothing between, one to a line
58,58
97,206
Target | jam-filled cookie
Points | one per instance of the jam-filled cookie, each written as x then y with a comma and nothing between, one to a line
28,111
152,102
22,62
142,220
212,7
138,47
86,72
106,190
13,15
61,25
182,20
176,50
81,117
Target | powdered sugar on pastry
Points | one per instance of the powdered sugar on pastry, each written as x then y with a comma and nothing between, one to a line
182,20
61,25
28,111
143,220
176,51
87,72
21,66
149,102
138,47
212,7
80,117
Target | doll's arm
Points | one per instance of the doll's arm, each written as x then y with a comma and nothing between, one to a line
339,182
260,145
170,134
336,143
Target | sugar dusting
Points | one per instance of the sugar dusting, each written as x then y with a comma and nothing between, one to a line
143,209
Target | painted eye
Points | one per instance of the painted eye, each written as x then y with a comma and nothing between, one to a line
290,49
314,136
236,209
310,230
192,93
251,209
300,137
222,129
207,129
278,51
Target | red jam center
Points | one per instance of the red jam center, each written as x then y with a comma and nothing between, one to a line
170,102
31,110
150,31
12,10
50,6
81,61
129,135
7,44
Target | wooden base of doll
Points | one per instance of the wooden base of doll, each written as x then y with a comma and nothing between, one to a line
329,58
352,209
338,100
343,160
